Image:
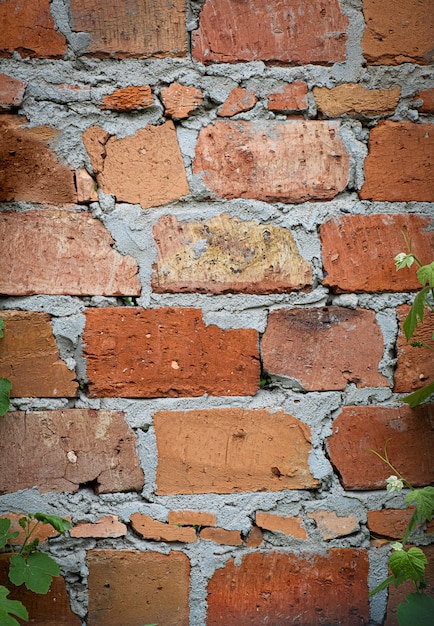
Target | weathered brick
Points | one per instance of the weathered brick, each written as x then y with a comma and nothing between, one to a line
277,588
398,32
399,164
390,523
107,527
255,538
321,347
332,526
142,587
30,359
226,255
77,446
231,450
51,609
222,536
133,352
426,96
146,168
179,101
237,101
359,251
149,528
289,98
289,161
132,28
128,99
42,532
28,28
30,169
409,434
415,365
192,518
11,92
66,253
292,526
291,31
353,99
86,187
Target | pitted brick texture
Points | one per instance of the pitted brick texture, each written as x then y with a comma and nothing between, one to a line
353,99
180,101
237,101
415,366
289,98
128,99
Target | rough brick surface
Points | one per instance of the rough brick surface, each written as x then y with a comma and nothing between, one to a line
231,450
399,165
11,92
390,523
145,169
426,96
192,518
142,587
277,588
66,253
51,609
290,31
289,161
86,187
149,528
292,526
226,255
77,446
289,98
179,101
398,32
410,437
359,251
222,536
30,169
128,99
332,526
108,527
237,101
415,366
30,359
28,28
133,352
353,99
321,347
132,28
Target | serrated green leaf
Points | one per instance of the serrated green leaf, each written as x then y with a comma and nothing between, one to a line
5,535
58,523
9,608
418,609
416,312
382,586
408,565
425,275
424,501
36,571
419,396
5,390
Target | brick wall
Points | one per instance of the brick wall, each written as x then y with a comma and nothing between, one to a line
197,197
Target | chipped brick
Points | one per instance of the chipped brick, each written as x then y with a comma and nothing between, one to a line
332,526
353,99
11,92
222,536
86,187
191,518
426,97
128,99
149,528
415,366
390,523
180,101
289,98
108,527
291,526
237,101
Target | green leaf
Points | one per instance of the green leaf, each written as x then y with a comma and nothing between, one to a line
2,325
382,586
5,535
419,396
425,275
58,523
408,565
424,500
9,608
417,311
36,571
5,389
419,609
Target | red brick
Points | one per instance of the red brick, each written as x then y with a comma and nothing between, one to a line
42,532
191,518
167,352
255,538
86,187
149,528
289,98
51,609
11,92
277,588
28,28
226,255
321,347
142,587
77,446
398,32
30,359
107,527
415,366
275,161
30,169
237,101
132,28
353,99
128,99
389,523
427,97
332,526
359,251
180,101
222,536
66,253
291,31
409,434
399,165
231,450
146,168
292,526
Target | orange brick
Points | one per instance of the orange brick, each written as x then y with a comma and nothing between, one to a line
149,528
191,518
389,523
415,366
427,97
11,92
86,187
128,99
291,526
332,526
106,527
237,101
180,101
42,532
289,98
222,536
353,99
255,538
